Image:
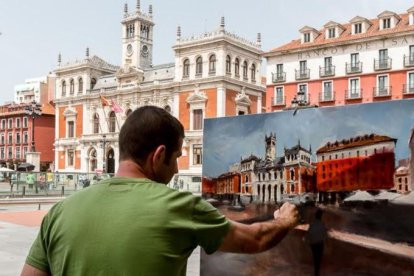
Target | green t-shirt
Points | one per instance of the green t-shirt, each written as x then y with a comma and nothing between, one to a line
126,226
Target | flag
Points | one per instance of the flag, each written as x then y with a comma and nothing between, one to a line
115,107
105,101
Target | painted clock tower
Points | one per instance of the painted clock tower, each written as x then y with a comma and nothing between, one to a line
137,34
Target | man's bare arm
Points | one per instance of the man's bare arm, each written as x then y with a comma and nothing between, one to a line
261,236
29,270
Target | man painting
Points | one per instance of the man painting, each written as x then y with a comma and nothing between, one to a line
133,224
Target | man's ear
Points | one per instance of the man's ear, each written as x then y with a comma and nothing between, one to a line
159,155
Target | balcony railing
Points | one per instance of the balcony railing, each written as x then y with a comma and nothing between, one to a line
408,89
327,71
327,96
353,68
279,77
382,64
408,60
353,94
302,74
278,101
382,91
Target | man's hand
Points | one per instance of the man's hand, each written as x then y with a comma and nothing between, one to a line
260,236
288,214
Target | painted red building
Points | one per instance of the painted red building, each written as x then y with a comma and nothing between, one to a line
228,183
360,163
16,135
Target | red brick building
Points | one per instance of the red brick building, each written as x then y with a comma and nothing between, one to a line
16,135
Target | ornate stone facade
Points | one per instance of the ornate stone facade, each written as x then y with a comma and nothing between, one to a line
214,75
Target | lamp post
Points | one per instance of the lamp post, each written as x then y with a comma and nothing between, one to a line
33,110
103,144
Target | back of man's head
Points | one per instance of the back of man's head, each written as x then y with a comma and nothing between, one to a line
144,130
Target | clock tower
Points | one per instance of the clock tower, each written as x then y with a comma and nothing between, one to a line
137,34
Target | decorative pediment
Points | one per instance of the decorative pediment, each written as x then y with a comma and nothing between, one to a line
359,19
308,29
388,14
332,24
69,111
197,96
243,99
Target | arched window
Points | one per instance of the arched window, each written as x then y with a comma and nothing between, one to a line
93,162
199,66
253,72
80,85
63,88
93,82
186,68
72,87
112,122
212,64
228,64
237,67
128,112
95,123
245,69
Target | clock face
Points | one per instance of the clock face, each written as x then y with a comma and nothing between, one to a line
144,50
129,50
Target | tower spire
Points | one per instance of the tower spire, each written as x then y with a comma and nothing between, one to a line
150,10
222,24
87,52
259,39
138,5
59,59
178,32
125,9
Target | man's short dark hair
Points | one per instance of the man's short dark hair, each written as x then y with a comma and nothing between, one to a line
147,128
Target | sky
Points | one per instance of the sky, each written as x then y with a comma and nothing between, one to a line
228,139
34,32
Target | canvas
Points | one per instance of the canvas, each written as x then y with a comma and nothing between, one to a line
355,163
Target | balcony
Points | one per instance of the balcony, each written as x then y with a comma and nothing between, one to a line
327,71
278,101
327,96
382,64
278,77
382,91
302,74
353,68
408,89
409,61
353,94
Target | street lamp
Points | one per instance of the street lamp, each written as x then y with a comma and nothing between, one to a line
103,144
301,99
33,110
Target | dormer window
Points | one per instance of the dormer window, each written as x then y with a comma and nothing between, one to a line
360,25
410,12
309,34
331,33
386,23
388,20
358,28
